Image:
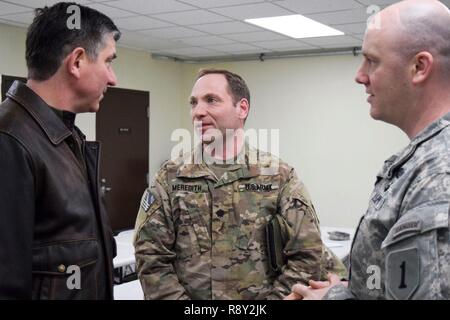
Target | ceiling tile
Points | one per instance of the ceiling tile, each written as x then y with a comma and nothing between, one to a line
217,3
256,36
43,3
21,19
341,17
191,52
206,41
172,33
153,44
378,2
226,27
256,51
8,8
237,47
140,23
352,28
110,11
132,39
282,44
211,28
150,7
192,17
332,41
305,7
348,44
259,10
296,49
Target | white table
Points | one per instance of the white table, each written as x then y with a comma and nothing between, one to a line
129,291
125,249
340,248
125,255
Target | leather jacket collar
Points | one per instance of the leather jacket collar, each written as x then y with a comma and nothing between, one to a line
42,113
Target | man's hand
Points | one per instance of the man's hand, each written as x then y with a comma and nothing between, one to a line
293,296
318,284
316,290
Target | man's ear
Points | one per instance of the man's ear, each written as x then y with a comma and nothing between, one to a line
422,67
243,108
74,61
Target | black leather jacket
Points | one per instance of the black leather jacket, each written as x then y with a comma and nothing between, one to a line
52,223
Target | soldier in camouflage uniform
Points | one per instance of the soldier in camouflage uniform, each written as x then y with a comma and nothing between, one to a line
200,231
401,249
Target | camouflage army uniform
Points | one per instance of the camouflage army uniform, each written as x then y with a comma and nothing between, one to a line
404,236
198,237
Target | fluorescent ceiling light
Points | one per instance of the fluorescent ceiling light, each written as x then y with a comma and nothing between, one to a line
295,26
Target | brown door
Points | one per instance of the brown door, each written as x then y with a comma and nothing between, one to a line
7,81
122,127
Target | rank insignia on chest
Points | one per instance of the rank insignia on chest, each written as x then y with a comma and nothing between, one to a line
261,187
147,200
378,201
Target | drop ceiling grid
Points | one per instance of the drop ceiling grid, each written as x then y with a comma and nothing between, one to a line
197,28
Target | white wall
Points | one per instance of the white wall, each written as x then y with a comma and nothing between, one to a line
12,51
326,132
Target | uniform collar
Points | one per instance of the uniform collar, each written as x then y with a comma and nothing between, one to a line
403,156
196,168
41,112
433,129
67,117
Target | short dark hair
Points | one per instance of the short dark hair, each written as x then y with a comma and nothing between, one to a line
50,40
236,85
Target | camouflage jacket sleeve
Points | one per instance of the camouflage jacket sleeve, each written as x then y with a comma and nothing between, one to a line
416,250
304,249
417,247
154,241
332,264
339,292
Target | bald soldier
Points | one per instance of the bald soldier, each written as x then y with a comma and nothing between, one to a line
201,229
401,248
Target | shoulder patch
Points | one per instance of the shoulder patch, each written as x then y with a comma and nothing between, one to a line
406,227
403,273
147,200
378,201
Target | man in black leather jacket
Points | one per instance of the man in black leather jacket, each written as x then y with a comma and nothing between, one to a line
55,238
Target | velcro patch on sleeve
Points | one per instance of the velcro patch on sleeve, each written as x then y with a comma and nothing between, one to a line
407,227
147,200
402,273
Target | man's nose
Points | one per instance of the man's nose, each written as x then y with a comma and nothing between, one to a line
112,80
199,111
361,77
